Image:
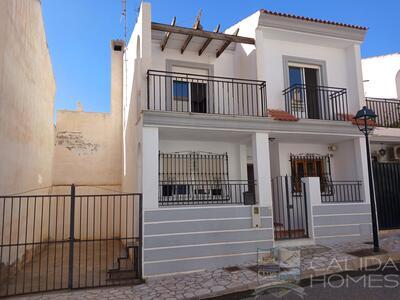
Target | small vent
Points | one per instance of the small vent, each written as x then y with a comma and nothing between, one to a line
117,48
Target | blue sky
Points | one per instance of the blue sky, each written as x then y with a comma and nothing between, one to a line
79,33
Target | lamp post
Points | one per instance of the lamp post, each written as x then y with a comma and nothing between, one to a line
365,120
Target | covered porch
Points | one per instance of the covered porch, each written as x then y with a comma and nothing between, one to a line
315,180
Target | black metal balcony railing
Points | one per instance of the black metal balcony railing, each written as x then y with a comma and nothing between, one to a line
388,111
342,192
181,92
316,102
205,192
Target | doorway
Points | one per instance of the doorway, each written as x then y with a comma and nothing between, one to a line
304,80
250,178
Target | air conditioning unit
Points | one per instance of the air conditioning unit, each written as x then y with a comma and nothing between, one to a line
394,152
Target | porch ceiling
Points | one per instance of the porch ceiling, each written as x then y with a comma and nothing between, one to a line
204,135
308,138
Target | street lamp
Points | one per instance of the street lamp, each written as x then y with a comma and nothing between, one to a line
365,120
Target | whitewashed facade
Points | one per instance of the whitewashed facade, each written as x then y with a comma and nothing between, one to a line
252,111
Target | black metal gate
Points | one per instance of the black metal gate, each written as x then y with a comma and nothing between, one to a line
53,242
387,191
289,208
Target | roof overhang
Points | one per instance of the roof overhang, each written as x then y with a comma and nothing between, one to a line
312,26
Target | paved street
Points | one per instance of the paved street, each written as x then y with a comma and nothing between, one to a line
315,261
380,284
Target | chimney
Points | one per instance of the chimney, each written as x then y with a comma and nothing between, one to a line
117,62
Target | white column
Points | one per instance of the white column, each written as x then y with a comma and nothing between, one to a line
150,167
262,172
362,165
313,192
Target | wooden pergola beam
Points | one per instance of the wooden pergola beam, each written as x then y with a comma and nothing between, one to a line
202,33
167,35
227,43
190,36
208,41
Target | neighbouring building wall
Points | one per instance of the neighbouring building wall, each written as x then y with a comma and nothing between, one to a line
381,76
88,146
27,89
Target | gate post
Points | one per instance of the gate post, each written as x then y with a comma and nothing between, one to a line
140,252
71,239
288,206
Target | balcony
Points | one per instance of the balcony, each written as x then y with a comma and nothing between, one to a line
191,93
388,111
316,102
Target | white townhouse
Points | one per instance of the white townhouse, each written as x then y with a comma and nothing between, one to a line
243,139
381,77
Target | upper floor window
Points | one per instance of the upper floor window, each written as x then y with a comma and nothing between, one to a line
190,96
304,81
300,74
181,90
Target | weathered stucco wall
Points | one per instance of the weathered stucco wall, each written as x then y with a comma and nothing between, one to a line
27,89
85,152
88,145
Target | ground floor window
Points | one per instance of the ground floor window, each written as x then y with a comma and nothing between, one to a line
310,165
198,175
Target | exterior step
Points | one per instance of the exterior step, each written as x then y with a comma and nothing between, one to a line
124,274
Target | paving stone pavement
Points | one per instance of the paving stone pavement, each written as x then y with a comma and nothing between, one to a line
315,260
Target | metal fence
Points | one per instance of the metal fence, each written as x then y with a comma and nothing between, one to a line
206,192
52,242
290,209
184,92
342,192
387,110
316,102
387,192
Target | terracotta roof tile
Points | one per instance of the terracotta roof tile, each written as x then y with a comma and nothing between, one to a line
265,11
281,115
350,118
